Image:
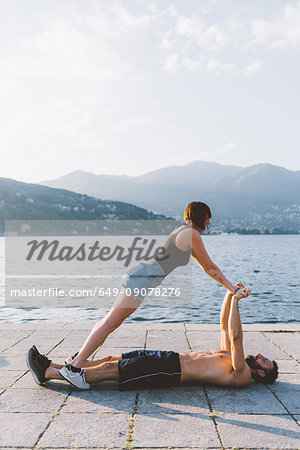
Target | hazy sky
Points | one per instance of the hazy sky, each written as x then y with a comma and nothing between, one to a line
125,87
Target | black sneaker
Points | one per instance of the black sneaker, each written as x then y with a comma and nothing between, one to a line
37,364
71,358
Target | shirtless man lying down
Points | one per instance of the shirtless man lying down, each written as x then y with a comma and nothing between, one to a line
226,367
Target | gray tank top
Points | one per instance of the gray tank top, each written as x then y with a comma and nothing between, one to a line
172,256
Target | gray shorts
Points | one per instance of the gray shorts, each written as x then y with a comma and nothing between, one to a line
142,277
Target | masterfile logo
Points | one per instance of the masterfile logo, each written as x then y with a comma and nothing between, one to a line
81,263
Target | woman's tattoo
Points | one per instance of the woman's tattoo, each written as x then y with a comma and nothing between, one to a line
217,277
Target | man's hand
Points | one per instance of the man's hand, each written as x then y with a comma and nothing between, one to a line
239,291
242,293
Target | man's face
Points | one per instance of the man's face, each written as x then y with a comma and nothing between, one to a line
259,362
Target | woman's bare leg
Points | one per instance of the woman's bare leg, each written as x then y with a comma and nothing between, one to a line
123,307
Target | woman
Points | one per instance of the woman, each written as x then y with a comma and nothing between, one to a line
183,242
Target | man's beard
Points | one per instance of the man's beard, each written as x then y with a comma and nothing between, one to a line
252,363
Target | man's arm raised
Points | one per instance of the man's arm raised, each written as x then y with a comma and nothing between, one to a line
241,371
225,340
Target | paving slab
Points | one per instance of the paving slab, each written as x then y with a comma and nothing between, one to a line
267,327
79,325
258,431
75,337
114,351
202,326
7,378
45,333
12,363
287,381
9,338
6,343
175,326
136,339
166,340
17,448
20,349
290,399
172,401
203,340
27,382
257,343
288,366
289,342
138,325
22,431
31,326
96,401
253,399
16,326
33,401
86,430
62,351
174,430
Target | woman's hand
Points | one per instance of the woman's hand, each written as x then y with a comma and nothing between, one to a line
236,285
242,293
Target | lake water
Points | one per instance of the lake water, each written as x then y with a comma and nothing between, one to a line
268,265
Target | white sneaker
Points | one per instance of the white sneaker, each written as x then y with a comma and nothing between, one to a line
75,376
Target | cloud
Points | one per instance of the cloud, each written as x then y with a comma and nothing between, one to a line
209,37
226,148
208,7
234,24
192,65
124,124
283,32
166,41
112,18
254,67
212,155
62,82
171,63
217,67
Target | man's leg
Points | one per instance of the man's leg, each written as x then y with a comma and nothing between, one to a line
89,364
105,371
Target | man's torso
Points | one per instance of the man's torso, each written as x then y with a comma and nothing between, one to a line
211,367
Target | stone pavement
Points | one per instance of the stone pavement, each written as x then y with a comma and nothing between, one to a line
57,416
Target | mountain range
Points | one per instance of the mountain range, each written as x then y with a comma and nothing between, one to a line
262,195
28,201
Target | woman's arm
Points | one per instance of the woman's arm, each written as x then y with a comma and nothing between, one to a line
200,255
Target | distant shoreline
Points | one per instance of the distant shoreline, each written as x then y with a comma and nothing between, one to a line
255,232
242,233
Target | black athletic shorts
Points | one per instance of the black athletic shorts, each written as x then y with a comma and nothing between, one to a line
149,368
